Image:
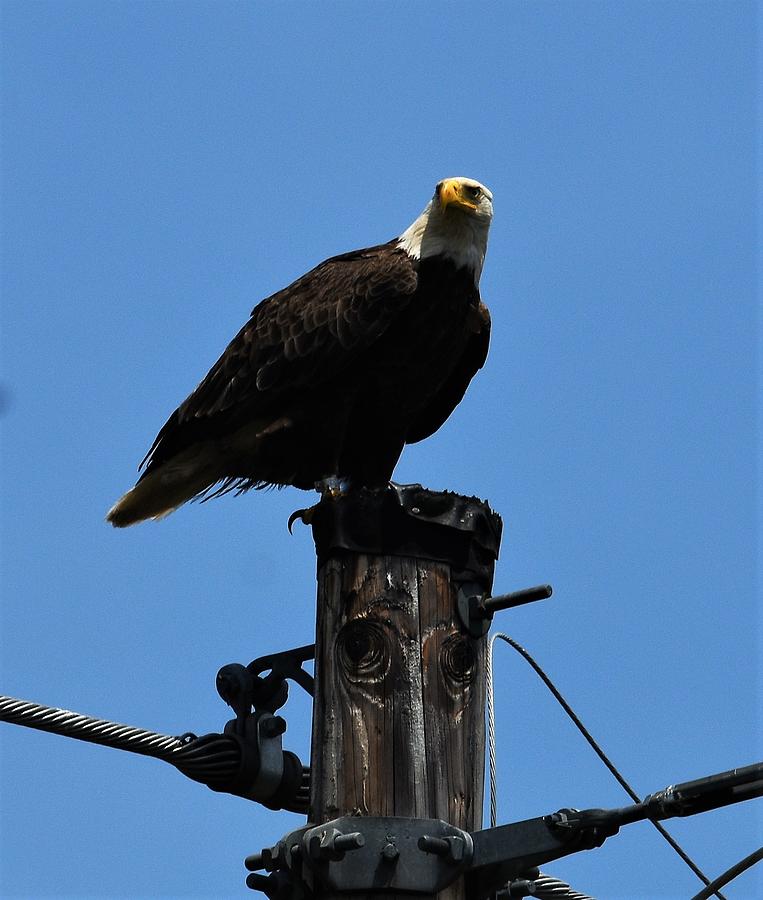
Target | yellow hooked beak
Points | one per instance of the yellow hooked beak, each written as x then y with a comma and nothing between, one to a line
452,194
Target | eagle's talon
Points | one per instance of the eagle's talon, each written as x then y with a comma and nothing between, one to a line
330,489
304,515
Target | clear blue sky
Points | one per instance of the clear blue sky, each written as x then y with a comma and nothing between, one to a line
166,165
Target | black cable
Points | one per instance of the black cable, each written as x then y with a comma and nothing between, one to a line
603,757
729,875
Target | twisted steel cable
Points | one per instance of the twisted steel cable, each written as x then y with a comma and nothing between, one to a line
549,888
212,759
88,728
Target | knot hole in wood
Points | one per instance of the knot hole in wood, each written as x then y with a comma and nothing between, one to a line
458,659
362,651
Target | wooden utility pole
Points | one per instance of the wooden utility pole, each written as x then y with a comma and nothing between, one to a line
398,715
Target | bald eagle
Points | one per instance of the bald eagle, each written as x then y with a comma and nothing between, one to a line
334,374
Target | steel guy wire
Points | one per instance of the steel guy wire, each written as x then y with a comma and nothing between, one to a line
586,734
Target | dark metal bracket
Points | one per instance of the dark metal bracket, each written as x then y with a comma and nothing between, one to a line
248,759
410,520
368,854
244,687
510,853
418,856
422,856
476,609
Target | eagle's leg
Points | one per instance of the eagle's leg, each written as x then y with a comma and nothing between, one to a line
330,488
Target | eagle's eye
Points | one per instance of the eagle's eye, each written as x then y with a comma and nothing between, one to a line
473,191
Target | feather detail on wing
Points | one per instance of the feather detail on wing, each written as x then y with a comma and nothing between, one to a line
301,336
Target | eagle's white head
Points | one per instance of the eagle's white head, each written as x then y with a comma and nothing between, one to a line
454,225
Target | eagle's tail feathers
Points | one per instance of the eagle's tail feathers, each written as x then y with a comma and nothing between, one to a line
202,471
159,493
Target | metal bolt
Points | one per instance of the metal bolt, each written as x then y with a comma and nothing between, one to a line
274,858
438,846
390,852
352,841
333,844
452,847
274,726
261,883
254,862
322,847
486,606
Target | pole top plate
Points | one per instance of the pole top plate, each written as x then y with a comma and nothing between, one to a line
409,520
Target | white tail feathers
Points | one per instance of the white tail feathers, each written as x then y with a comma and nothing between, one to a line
161,492
188,474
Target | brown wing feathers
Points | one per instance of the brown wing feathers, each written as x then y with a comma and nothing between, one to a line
301,336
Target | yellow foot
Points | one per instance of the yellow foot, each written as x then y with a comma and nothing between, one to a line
331,487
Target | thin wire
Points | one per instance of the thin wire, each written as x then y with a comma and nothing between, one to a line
587,735
491,733
730,874
547,887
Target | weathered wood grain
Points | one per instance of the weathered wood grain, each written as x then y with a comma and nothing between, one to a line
398,717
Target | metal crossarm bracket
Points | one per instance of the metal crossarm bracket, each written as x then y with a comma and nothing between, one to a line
365,854
368,854
420,856
510,851
357,854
